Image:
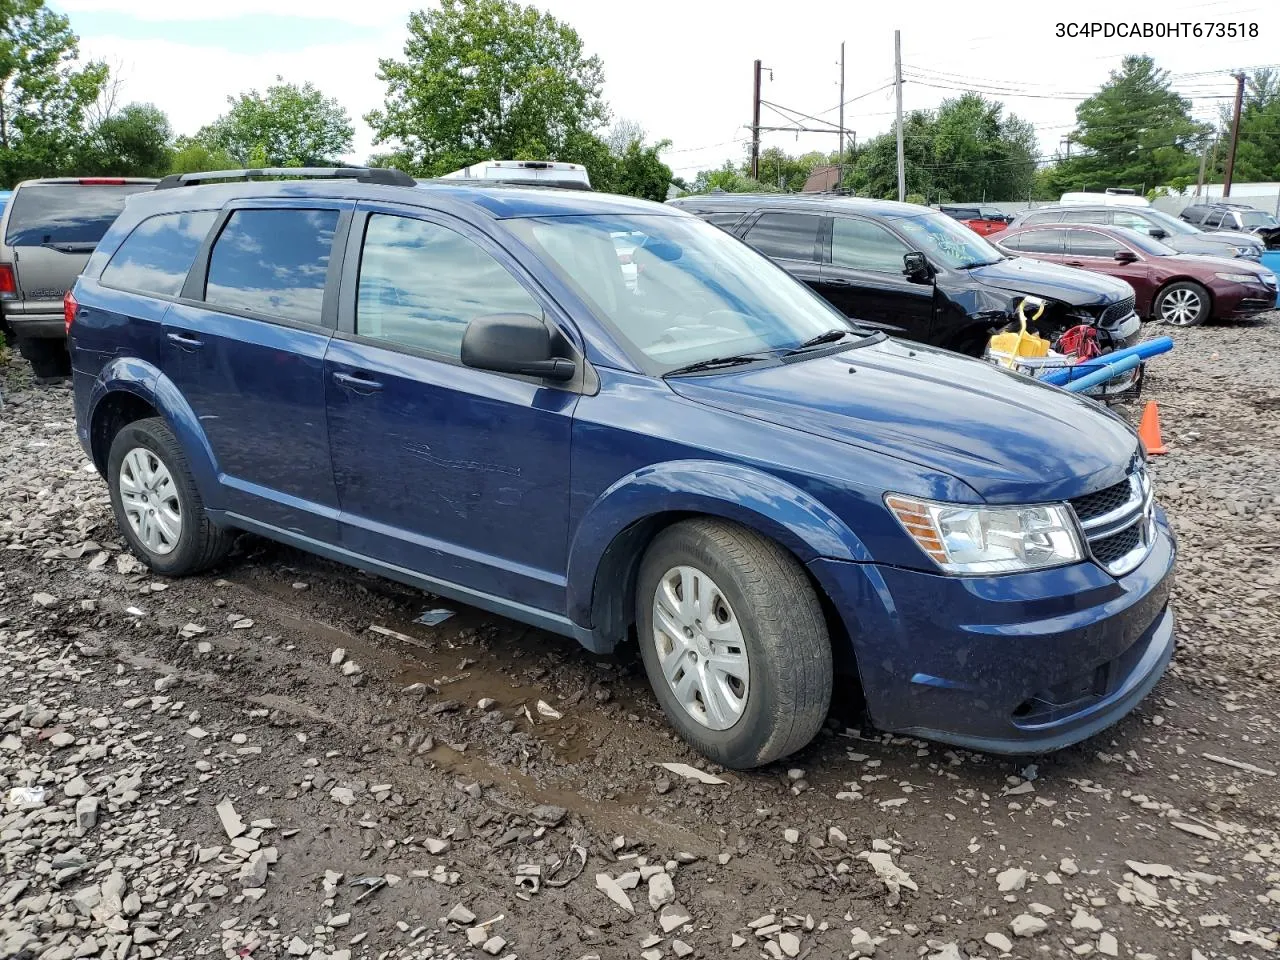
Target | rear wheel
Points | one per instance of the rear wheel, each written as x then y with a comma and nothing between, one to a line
156,503
1183,304
734,642
48,357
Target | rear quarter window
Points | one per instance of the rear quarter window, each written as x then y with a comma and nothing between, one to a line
157,255
65,212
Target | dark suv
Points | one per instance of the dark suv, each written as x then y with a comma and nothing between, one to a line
47,231
457,385
915,272
1169,230
1223,215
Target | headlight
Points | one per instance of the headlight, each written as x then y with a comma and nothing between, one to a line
1239,277
1251,253
961,538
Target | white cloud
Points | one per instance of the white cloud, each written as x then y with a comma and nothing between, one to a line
191,83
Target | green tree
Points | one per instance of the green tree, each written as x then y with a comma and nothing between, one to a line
289,126
44,92
1134,132
487,79
641,173
132,143
731,179
191,155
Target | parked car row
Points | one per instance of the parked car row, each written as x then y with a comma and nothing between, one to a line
1225,215
983,221
459,385
914,272
1176,288
1173,232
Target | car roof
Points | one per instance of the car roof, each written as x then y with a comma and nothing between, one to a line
498,199
1115,233
818,202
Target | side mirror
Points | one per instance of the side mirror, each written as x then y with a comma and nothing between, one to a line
514,343
915,266
1125,256
1158,232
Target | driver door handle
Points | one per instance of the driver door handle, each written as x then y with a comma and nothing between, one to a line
837,282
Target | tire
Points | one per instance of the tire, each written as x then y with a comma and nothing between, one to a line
780,633
49,358
149,448
1174,301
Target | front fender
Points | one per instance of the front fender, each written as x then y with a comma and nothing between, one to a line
735,492
145,381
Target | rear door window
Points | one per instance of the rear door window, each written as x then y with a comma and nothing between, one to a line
1036,241
78,214
1086,216
273,263
157,255
786,236
1049,216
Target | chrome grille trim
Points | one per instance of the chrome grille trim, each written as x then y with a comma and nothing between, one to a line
1138,511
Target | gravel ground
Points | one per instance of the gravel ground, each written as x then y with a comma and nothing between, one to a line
275,760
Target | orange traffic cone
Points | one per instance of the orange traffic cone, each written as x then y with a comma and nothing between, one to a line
1149,430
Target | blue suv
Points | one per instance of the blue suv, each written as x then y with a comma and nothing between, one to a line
609,419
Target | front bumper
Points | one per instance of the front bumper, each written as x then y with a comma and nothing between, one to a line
1019,664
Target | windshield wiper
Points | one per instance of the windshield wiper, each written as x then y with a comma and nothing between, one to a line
712,363
829,336
69,247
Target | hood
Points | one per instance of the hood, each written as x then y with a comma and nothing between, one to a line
1223,243
1224,264
1009,438
1235,238
1077,288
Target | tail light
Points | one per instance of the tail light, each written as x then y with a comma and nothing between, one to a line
69,309
8,282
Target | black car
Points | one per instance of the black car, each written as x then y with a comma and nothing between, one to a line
1224,215
915,272
1169,230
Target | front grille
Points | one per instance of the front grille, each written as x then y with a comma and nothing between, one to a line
1093,505
1117,522
1107,550
1116,312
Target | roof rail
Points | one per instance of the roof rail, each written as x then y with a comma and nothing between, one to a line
384,175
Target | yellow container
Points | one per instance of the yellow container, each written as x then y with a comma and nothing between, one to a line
1005,348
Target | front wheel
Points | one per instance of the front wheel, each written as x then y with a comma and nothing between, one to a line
1183,304
734,642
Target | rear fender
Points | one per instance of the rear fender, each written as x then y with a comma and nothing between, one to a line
655,495
145,381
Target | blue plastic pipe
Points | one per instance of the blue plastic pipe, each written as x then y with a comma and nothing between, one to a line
1103,375
1144,350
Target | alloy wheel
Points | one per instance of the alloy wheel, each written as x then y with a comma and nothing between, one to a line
1180,308
700,647
150,501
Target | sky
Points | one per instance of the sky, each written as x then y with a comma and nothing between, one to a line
683,70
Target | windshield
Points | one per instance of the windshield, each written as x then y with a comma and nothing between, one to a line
1257,218
66,212
947,241
697,293
1172,225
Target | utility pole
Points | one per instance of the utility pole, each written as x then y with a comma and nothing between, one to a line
1204,152
840,153
897,77
1235,137
755,126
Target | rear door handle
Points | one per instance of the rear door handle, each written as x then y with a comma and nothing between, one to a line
838,282
358,384
186,341
1075,263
